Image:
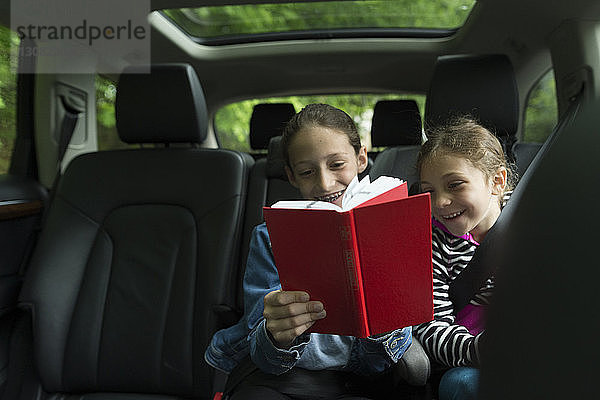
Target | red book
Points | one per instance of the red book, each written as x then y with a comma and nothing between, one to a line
370,266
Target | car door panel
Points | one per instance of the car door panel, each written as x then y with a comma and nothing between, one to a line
21,204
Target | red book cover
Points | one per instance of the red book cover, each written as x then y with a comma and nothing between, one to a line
370,265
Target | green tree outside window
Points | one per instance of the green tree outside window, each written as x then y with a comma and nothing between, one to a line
8,97
541,111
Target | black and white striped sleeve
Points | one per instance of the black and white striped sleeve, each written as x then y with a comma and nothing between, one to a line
444,341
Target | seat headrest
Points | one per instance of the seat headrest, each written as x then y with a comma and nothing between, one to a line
268,120
275,162
482,86
396,123
165,106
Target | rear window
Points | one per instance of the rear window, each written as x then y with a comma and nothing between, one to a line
232,122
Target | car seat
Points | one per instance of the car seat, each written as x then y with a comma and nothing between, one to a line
396,124
132,272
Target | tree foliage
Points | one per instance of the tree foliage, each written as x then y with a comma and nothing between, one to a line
252,19
8,98
541,113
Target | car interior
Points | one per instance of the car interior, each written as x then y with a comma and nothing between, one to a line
121,258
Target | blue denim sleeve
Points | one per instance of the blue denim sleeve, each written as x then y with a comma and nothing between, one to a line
261,277
371,355
270,358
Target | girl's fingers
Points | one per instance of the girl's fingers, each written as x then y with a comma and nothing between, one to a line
282,298
289,314
283,324
292,310
285,338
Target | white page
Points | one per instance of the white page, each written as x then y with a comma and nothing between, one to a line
371,190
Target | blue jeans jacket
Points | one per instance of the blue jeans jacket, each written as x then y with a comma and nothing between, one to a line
311,351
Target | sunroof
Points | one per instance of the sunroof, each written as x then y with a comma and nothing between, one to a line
345,18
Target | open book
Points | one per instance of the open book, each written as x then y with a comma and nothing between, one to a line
368,261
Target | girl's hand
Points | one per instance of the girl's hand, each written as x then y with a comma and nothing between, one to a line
289,314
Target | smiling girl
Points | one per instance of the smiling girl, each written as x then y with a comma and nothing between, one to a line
323,154
463,167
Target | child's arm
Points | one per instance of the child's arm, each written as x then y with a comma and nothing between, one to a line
371,356
445,341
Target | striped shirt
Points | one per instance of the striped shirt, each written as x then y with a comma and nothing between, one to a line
445,341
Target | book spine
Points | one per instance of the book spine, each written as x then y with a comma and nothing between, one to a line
353,272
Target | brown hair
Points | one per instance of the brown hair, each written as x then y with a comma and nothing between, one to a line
465,137
322,115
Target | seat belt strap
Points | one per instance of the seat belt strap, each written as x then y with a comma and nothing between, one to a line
67,128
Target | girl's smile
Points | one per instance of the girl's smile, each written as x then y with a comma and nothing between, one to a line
453,215
463,198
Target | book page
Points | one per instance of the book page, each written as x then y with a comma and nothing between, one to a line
366,190
306,204
356,193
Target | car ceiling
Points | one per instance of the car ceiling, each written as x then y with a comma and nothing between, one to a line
514,27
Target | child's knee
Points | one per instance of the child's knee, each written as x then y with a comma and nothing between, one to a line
459,384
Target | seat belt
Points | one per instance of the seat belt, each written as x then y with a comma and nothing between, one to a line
483,264
73,108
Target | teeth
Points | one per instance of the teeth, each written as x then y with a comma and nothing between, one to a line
330,197
456,214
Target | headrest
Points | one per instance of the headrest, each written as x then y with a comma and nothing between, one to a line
275,161
396,123
483,86
268,120
165,106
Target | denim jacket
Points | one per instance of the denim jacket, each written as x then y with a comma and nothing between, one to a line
310,351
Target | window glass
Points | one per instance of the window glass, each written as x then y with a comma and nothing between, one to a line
376,17
8,97
232,122
541,111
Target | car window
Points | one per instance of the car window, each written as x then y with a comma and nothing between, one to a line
541,110
8,97
380,18
232,122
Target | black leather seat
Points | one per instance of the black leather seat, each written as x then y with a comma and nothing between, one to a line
132,273
482,86
396,124
524,153
267,121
